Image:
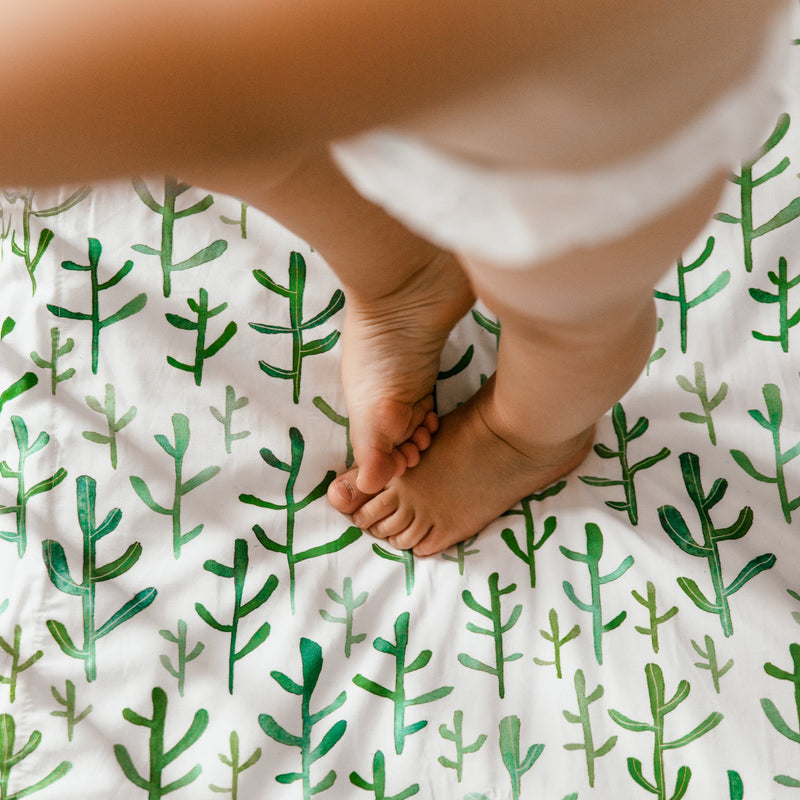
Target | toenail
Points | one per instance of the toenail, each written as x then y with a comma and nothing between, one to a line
345,490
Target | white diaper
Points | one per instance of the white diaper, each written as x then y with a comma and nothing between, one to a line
516,217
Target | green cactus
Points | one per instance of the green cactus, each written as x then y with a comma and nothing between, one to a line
301,349
771,710
129,309
624,437
700,388
58,570
783,284
747,183
673,523
404,557
177,452
14,651
25,493
173,189
583,719
292,506
462,551
350,604
200,325
398,694
184,657
735,785
232,403
659,352
774,404
238,573
341,420
109,410
655,619
451,372
456,736
69,713
9,759
241,222
237,768
510,751
493,613
57,350
554,637
528,554
491,325
710,661
685,305
23,384
160,759
458,367
378,785
795,596
660,707
592,556
5,230
46,235
311,657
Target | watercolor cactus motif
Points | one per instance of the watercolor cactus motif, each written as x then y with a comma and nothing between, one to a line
183,615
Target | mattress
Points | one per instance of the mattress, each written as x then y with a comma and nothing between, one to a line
182,612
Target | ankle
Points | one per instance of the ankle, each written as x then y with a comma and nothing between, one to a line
525,436
396,267
435,288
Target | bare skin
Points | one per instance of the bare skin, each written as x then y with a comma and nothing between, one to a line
467,479
609,78
562,363
390,359
396,323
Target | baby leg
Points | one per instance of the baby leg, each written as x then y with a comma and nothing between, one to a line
576,333
403,296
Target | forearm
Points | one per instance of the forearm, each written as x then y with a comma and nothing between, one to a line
95,89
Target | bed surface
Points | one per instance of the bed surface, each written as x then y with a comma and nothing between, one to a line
181,611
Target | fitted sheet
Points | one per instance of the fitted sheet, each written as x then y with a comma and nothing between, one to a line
181,611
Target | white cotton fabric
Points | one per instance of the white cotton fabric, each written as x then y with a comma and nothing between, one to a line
515,217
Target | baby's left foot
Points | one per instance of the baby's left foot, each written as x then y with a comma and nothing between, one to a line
467,479
391,346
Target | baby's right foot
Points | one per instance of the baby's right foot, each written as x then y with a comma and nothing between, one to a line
391,350
467,479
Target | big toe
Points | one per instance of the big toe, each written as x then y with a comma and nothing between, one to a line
344,494
387,439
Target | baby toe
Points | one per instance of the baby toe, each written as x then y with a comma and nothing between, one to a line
431,421
392,525
344,494
410,453
374,510
435,542
421,438
415,532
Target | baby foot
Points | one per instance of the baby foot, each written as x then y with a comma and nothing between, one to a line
390,360
467,479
